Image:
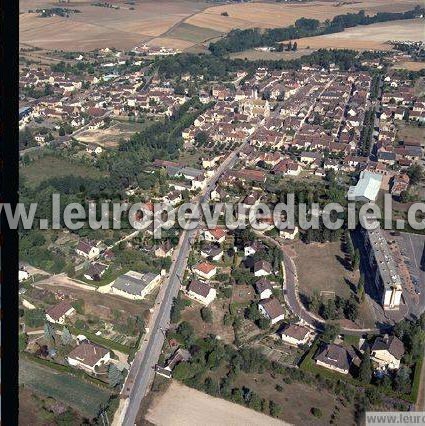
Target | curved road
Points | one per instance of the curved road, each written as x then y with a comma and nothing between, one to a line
292,299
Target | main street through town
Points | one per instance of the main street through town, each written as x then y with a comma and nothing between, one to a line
142,369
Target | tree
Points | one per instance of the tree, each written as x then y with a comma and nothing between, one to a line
263,323
275,409
360,288
365,369
207,315
61,131
49,332
355,261
317,412
351,308
330,331
402,379
252,312
34,317
66,337
115,376
294,46
78,305
373,395
23,341
415,173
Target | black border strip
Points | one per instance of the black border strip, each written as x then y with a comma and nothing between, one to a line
9,40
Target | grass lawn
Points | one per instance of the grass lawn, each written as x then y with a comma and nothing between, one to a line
50,167
410,131
73,391
320,268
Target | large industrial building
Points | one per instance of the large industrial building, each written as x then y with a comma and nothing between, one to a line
387,278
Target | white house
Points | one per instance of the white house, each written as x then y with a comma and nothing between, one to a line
205,270
295,334
262,268
59,313
216,235
289,234
201,292
264,288
387,352
213,252
87,250
271,309
23,275
88,356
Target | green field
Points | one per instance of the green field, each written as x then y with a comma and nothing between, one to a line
50,167
71,390
192,33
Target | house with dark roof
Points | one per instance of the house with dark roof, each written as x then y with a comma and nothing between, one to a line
272,310
335,357
134,285
87,249
262,268
295,334
387,352
201,292
60,312
264,288
213,252
88,356
95,271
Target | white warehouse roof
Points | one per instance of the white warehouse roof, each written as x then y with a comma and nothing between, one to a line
367,187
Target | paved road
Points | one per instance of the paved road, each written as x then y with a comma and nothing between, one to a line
293,301
142,371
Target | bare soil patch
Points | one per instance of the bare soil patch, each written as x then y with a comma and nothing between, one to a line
181,405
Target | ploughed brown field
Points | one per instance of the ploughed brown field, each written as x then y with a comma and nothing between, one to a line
181,24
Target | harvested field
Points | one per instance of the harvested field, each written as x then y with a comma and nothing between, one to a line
71,390
178,24
181,405
49,167
256,55
270,15
410,65
99,27
171,43
368,36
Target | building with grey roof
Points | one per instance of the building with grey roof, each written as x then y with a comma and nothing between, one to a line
134,285
387,279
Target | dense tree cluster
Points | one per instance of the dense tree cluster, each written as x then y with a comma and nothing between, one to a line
240,40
